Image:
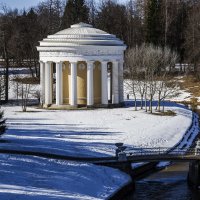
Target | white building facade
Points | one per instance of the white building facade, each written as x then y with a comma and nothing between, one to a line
81,65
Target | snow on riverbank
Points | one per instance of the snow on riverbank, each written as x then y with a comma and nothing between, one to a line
78,133
92,132
27,178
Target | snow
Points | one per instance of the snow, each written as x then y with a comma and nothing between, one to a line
27,178
163,164
179,96
182,96
92,132
190,134
80,133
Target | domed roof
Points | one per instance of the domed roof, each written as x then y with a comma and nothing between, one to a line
82,34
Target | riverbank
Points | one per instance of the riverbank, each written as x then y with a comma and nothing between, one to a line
167,184
173,171
168,171
78,133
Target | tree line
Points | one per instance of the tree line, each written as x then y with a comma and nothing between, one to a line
163,23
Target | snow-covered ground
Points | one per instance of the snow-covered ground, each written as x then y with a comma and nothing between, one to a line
178,96
32,178
92,132
78,133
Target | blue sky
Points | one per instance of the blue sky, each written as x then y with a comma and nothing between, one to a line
20,4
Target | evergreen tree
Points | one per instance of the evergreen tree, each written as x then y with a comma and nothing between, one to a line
6,34
75,11
152,22
2,123
177,26
82,11
112,18
69,13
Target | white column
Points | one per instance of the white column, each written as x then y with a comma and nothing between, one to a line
104,83
59,84
115,83
90,93
121,81
73,95
48,83
42,82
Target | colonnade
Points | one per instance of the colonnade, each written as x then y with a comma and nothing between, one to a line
46,79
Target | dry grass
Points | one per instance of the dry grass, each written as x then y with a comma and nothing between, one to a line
191,85
166,113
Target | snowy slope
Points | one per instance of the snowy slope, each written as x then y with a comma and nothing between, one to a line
31,178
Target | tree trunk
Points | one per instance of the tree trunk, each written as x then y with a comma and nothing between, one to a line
159,102
135,104
141,102
7,70
17,91
145,102
135,99
163,107
151,104
22,98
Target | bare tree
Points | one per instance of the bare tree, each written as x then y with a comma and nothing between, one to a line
169,90
50,14
25,90
165,84
152,60
131,86
141,90
148,66
92,11
2,87
133,64
6,20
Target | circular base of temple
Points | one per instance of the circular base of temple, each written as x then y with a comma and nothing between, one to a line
70,107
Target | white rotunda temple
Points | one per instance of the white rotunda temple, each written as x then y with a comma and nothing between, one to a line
81,65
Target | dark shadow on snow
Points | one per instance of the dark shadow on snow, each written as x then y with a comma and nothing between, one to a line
131,103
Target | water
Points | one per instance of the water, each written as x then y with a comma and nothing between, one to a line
168,184
170,190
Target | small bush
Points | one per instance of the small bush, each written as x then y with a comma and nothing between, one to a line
194,103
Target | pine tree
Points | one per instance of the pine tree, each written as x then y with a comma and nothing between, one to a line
75,11
68,17
82,11
152,22
2,123
112,18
